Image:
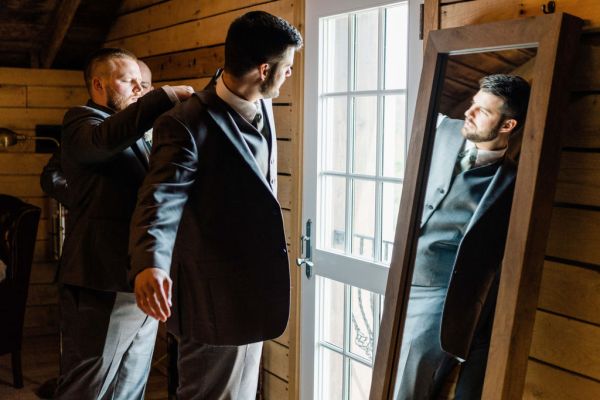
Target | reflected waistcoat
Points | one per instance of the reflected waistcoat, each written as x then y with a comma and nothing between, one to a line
440,237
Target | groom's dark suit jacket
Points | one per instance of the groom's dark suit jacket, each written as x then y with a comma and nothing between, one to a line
104,161
474,278
207,214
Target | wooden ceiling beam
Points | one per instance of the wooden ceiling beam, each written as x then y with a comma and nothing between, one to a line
62,21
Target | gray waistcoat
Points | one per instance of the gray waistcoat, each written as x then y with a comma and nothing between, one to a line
259,143
441,235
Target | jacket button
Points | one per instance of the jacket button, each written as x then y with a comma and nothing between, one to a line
441,190
284,251
429,207
272,161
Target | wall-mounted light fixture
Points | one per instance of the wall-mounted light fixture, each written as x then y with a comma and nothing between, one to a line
8,138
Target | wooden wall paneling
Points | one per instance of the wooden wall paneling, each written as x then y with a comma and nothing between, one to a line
42,317
195,63
586,77
285,191
42,295
567,343
570,290
171,13
579,178
548,383
42,251
21,186
275,388
40,77
43,272
13,96
584,120
574,235
194,34
284,121
18,164
287,223
28,118
128,6
276,359
285,156
53,97
481,11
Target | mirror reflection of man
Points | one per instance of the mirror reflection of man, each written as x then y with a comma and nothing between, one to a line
207,215
460,247
107,342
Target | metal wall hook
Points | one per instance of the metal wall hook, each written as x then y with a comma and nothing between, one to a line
551,7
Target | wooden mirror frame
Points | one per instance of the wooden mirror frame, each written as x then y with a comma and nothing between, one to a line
556,38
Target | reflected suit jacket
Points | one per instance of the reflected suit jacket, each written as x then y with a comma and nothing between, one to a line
207,214
477,264
104,161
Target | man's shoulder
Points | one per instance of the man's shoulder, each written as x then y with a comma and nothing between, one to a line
78,113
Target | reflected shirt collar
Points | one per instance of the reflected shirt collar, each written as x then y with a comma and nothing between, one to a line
245,108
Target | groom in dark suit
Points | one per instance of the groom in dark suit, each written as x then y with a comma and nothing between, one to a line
207,221
460,247
107,342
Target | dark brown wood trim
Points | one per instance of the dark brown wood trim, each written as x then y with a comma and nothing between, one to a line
62,21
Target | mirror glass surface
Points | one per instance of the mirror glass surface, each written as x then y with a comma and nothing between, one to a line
463,228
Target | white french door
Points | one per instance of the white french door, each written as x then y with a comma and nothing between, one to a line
362,63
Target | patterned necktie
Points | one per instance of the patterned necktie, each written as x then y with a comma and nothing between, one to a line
467,159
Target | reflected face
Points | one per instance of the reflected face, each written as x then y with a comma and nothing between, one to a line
277,76
146,77
122,83
484,118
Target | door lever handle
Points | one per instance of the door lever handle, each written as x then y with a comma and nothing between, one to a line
306,251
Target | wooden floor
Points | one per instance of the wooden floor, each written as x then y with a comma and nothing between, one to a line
40,363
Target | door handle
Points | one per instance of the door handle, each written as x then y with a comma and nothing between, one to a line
306,251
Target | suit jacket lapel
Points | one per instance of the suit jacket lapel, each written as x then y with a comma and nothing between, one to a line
502,181
227,125
141,151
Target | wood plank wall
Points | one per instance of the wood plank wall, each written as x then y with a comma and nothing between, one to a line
182,41
29,97
564,358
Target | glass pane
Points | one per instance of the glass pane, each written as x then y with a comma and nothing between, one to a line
391,204
362,310
367,33
394,135
336,133
332,312
360,381
396,44
335,76
365,135
333,216
363,219
332,375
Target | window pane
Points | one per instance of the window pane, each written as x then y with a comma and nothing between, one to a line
360,381
366,50
332,375
396,39
363,219
333,216
362,310
335,77
332,312
391,204
336,133
365,135
394,135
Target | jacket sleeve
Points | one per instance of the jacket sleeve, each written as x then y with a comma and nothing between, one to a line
90,137
53,181
163,195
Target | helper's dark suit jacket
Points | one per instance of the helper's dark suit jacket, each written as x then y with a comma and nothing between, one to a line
104,163
480,252
206,209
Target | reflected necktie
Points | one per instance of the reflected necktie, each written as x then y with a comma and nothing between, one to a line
467,159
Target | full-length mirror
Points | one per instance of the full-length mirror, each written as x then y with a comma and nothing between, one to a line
470,192
482,109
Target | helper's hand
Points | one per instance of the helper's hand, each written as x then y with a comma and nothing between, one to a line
153,293
183,92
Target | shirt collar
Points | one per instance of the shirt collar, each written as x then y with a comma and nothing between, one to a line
245,108
485,157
